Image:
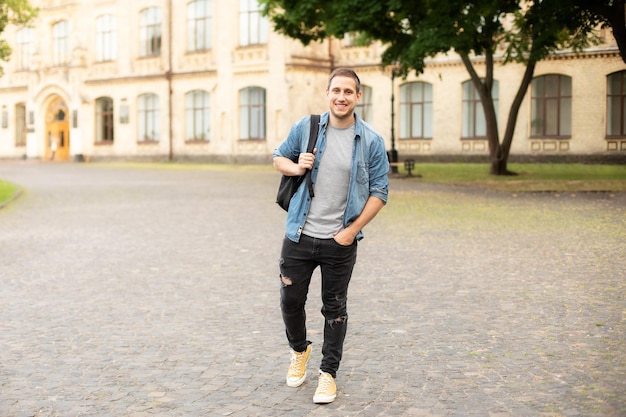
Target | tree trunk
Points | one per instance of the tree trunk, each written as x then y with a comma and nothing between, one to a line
618,24
497,157
499,167
499,164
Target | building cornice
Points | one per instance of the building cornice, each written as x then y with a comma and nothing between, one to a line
163,76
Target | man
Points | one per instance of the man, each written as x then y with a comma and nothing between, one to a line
349,169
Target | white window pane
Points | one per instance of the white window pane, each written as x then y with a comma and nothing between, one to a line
243,30
404,93
243,123
481,125
468,118
428,92
536,123
416,121
428,120
189,124
468,91
566,117
263,29
207,123
551,117
404,121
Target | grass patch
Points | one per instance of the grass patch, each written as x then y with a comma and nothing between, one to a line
7,191
530,177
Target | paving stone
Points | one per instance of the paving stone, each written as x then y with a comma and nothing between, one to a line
153,291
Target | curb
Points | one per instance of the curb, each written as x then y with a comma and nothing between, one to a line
14,197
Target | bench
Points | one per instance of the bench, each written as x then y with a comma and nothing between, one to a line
409,164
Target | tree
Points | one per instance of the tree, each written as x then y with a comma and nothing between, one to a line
412,30
611,13
15,12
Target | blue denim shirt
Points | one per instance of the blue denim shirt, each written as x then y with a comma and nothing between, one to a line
368,176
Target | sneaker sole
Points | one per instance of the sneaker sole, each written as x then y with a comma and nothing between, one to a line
324,399
296,383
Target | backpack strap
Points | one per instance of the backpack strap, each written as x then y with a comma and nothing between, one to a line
315,125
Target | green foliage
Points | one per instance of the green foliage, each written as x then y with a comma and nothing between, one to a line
523,31
546,27
13,12
415,30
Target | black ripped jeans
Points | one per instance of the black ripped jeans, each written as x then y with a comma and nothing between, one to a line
297,263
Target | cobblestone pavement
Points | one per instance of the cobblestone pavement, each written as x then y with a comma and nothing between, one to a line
147,291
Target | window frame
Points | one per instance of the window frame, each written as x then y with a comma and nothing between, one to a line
407,111
105,121
106,38
60,43
199,26
364,107
618,100
197,115
252,113
24,49
472,108
253,26
150,30
148,116
548,113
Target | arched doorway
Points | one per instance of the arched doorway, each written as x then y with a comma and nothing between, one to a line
57,131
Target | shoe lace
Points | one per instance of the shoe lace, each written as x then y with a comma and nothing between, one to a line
296,361
325,382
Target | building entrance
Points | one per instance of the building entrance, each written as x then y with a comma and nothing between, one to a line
57,131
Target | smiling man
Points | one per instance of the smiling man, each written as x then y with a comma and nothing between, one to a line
349,169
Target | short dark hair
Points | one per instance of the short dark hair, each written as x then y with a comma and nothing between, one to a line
345,72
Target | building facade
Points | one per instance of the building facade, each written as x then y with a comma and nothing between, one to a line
209,80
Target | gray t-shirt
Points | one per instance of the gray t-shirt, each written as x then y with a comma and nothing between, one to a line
325,218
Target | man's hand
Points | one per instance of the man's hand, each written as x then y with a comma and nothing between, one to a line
306,160
344,237
287,167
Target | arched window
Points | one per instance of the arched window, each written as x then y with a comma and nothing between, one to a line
148,118
252,113
474,122
104,120
616,104
197,115
364,107
551,106
199,25
416,111
150,32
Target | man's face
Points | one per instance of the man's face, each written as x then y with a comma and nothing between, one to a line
342,97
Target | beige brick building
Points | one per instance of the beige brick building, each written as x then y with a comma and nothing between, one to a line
210,80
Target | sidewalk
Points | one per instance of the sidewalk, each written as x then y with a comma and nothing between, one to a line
154,292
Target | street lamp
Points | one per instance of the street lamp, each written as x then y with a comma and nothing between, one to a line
393,154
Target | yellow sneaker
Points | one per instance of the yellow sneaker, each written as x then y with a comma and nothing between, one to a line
326,391
297,369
